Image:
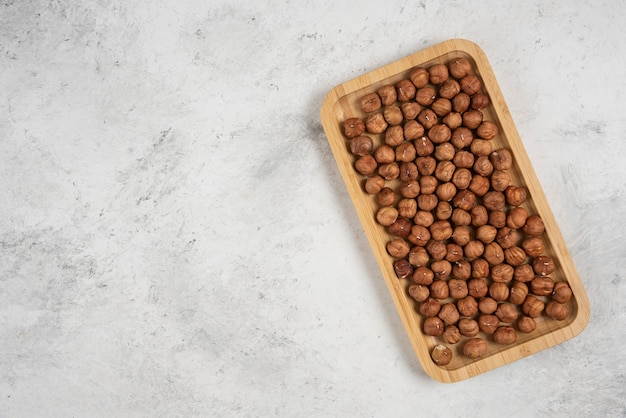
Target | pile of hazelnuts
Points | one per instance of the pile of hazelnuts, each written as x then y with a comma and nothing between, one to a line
471,253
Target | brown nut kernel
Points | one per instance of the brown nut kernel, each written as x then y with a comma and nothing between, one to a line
439,290
458,288
479,185
418,292
477,288
461,137
502,273
419,76
441,355
408,171
405,152
533,246
501,159
402,268
475,348
375,123
455,252
507,237
448,312
398,248
460,67
440,230
556,310
505,335
400,228
481,147
423,275
410,110
472,118
441,106
480,268
425,165
433,326
470,84
405,90
386,197
453,120
439,133
515,196
464,199
518,293
526,324
449,89
353,127
370,102
543,265
389,171
499,291
486,233
387,94
480,216
394,136
413,131
482,166
514,256
524,273
407,208
463,159
437,249
430,307
444,171
507,312
361,145
384,154
534,226
468,306
451,334
487,130
438,73
494,200
387,215
461,178
462,269
487,305
443,210
461,102
423,146
427,202
468,327
446,191
500,180
420,235
423,218
562,292
461,235
444,152
473,249
418,257
479,101
532,306
425,96
542,285
517,217
374,184
497,218
488,323
366,165
441,269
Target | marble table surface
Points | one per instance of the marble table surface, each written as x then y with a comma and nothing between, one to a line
177,240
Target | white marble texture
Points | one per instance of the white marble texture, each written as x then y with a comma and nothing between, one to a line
176,239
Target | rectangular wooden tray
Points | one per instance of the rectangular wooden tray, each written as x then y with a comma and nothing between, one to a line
342,102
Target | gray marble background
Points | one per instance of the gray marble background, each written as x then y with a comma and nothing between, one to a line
176,239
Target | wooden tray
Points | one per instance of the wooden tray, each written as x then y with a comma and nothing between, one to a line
342,102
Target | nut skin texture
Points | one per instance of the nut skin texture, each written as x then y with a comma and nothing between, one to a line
502,273
493,253
408,171
518,293
542,286
517,217
405,152
370,102
526,324
427,202
455,253
445,151
361,145
479,101
418,256
473,249
453,120
374,184
423,146
468,306
384,154
477,288
387,215
402,268
487,305
439,133
389,171
444,171
462,269
543,265
480,216
524,273
483,167
394,135
534,226
507,312
505,335
393,115
458,288
475,347
437,250
410,190
430,307
425,165
480,269
487,129
465,199
440,230
507,237
375,123
446,191
461,235
441,355
488,323
400,228
386,197
459,67
556,310
501,159
461,178
438,73
461,137
442,270
449,89
423,218
413,130
423,275
405,90
497,218
463,159
532,306
499,291
425,96
451,334
407,208
481,147
443,211
472,118
468,327
366,165
514,256
441,106
410,110
533,246
461,102
494,200
439,290
398,248
500,180
387,95
449,314
418,292
479,185
470,84
433,326
419,77
515,196
353,127
562,292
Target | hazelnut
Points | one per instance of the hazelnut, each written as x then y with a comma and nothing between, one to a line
427,202
425,96
514,195
497,218
458,288
460,67
418,256
461,102
481,147
448,312
419,235
472,118
534,226
441,106
445,152
455,252
423,146
543,265
461,137
488,323
400,228
518,293
526,324
410,110
405,90
441,355
470,84
461,178
468,327
500,180
464,199
419,77
507,312
493,253
386,197
477,288
453,120
387,215
441,269
480,268
449,89
389,171
423,275
387,94
361,145
475,348
514,256
426,165
374,184
393,115
532,306
502,273
562,292
446,191
405,152
418,292
394,136
402,268
517,217
486,233
461,235
440,230
439,290
413,131
499,291
501,159
443,210
366,165
505,335
494,200
408,171
487,130
479,185
473,249
524,273
479,101
423,218
433,326
407,208
438,73
375,123
444,171
461,217
533,246
468,306
353,127
482,166
462,269
487,305
542,285
439,133
370,102
463,159
507,237
480,216
430,307
556,310
398,248
384,154
451,334
437,249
